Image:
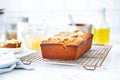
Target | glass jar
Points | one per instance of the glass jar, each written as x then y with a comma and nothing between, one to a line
12,31
21,25
34,35
2,26
101,30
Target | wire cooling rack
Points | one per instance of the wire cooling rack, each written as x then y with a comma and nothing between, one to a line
90,60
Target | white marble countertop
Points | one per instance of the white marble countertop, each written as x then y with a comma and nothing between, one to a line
109,70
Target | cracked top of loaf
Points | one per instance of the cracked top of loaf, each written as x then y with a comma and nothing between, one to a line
68,38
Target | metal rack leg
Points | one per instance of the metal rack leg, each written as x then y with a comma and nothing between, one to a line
26,62
89,68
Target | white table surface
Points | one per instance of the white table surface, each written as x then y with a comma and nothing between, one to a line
110,70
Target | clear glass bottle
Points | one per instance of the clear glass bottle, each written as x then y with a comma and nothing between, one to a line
21,25
101,30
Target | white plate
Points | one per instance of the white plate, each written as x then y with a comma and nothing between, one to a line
14,50
18,52
25,53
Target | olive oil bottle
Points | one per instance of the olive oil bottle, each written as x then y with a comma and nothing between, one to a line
101,31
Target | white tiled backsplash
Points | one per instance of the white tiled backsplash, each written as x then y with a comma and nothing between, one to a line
55,12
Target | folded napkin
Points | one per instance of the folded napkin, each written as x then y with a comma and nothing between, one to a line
8,62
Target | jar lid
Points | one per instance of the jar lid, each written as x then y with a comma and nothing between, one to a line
24,19
1,11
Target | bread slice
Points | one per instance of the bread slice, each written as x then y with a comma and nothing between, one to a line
11,44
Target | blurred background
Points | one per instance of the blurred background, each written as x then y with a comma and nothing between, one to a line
55,14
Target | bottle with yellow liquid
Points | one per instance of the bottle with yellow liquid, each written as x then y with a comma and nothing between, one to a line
101,31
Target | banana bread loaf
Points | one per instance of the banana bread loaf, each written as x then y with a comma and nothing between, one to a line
66,45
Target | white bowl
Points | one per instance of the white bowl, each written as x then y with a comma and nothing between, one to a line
14,50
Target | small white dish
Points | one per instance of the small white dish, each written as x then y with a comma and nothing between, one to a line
14,50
